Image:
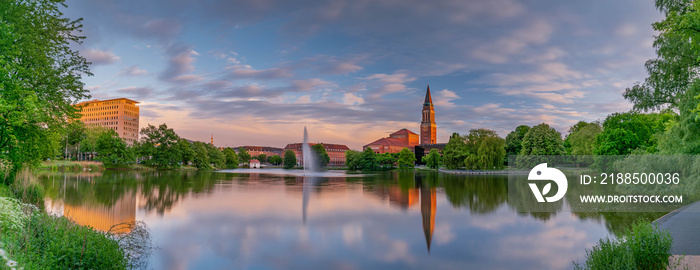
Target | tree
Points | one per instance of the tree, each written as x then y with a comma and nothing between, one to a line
40,77
514,140
231,158
368,160
275,160
243,155
433,159
112,151
321,155
491,153
406,159
581,140
201,156
158,146
290,159
353,160
453,154
186,151
386,161
673,82
624,132
216,157
262,158
542,140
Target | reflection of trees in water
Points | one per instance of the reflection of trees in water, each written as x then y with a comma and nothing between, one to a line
481,194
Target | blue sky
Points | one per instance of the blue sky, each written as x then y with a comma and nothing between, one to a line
255,72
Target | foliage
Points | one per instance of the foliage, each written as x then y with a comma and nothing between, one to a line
433,159
491,153
275,160
186,151
231,158
216,156
112,151
542,140
290,159
581,139
244,156
514,140
158,145
646,247
262,158
40,77
201,156
352,160
321,155
386,161
624,132
453,154
368,160
406,159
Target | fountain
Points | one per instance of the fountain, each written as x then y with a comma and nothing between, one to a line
310,166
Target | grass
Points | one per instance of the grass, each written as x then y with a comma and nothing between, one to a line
645,246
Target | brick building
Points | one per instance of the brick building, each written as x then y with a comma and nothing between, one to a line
335,151
120,115
396,141
267,150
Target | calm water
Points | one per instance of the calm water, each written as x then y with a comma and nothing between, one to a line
214,220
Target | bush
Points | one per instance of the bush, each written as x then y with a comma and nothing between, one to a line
57,243
646,246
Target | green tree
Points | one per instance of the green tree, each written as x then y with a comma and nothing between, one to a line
201,156
386,161
454,153
673,82
89,142
158,146
216,156
542,140
275,160
625,132
290,159
353,160
406,159
262,158
433,159
231,158
40,77
112,151
368,160
514,140
243,155
186,151
321,155
491,153
581,139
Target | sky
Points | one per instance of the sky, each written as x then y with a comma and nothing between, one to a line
256,72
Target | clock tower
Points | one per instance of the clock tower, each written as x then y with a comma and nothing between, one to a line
428,128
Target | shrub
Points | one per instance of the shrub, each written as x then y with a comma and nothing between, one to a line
646,246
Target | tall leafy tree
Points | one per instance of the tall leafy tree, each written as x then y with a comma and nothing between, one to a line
433,159
321,155
625,132
216,156
158,145
275,160
186,151
406,159
201,156
40,77
290,159
454,154
368,160
112,151
491,153
353,160
262,158
243,155
231,158
386,161
514,140
581,139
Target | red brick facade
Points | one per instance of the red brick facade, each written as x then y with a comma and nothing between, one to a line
335,151
428,128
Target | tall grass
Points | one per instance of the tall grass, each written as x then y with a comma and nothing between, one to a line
645,246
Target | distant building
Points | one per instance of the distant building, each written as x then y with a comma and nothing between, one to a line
335,151
396,141
428,128
257,150
254,164
120,115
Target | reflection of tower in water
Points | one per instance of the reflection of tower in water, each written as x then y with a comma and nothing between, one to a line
428,208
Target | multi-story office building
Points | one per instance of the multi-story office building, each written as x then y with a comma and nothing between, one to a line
120,115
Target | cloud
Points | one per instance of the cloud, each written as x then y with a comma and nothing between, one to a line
98,57
136,92
181,62
133,71
537,32
351,99
248,72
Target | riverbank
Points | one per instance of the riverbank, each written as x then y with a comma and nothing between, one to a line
80,166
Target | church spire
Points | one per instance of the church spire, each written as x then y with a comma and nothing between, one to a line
428,98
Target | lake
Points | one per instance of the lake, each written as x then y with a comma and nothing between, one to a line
390,220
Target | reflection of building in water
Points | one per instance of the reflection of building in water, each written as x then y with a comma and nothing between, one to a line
404,198
103,217
427,211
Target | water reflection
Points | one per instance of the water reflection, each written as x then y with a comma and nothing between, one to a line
388,220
